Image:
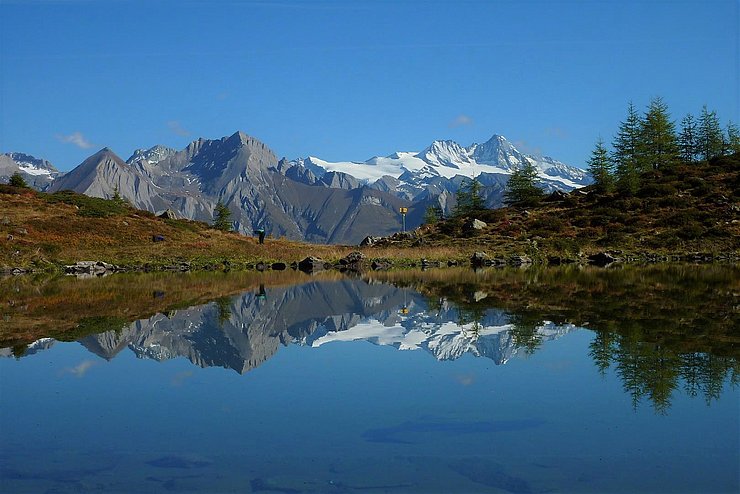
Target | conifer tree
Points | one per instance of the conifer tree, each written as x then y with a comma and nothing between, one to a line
222,217
687,140
17,180
626,152
658,146
521,189
600,167
469,197
732,142
710,138
433,214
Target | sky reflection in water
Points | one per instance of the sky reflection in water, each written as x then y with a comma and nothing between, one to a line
365,397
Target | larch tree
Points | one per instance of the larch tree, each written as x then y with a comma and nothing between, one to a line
600,167
521,189
710,138
732,141
469,198
658,146
17,180
626,156
687,140
222,217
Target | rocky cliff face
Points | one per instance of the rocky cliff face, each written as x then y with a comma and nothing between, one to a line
307,199
244,174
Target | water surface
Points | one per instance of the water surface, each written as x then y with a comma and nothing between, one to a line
445,381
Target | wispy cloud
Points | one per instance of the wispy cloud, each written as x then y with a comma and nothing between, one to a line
461,121
77,139
80,369
178,129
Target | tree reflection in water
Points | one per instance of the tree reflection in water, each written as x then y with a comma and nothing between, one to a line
660,328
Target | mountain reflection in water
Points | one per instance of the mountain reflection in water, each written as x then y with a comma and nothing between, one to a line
660,328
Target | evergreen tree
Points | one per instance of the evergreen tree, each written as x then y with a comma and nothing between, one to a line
600,167
469,197
710,138
17,180
687,140
732,142
658,146
521,189
433,214
222,217
117,196
626,153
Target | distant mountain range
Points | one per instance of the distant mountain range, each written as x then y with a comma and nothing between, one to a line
244,332
309,198
38,173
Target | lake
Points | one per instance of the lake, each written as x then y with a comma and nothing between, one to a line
501,381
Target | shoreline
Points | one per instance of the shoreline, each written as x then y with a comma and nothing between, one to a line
360,262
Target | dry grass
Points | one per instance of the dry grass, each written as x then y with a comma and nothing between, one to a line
54,307
34,232
680,210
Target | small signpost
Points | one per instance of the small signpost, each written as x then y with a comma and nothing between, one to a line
403,212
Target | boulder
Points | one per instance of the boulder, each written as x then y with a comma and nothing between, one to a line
557,195
279,266
352,258
474,224
369,240
168,214
90,267
311,264
602,259
380,264
519,260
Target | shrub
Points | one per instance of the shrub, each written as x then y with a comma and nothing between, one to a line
93,207
673,202
691,231
656,190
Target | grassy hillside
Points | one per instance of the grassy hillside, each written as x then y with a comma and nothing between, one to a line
678,210
37,229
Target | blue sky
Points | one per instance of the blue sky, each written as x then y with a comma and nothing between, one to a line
346,80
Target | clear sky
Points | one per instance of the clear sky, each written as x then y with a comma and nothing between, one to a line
347,80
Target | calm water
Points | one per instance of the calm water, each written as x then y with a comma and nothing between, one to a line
501,381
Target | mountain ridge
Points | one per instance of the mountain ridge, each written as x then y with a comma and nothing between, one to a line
308,199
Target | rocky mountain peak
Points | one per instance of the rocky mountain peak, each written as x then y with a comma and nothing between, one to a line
152,156
26,160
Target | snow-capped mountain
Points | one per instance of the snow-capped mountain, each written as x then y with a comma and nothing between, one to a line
443,165
307,199
38,173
